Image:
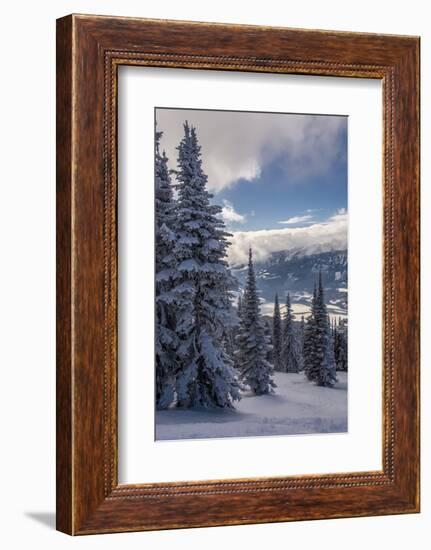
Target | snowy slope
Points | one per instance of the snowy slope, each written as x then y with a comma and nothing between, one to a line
298,407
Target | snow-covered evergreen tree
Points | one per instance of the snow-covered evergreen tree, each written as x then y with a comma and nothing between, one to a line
269,342
340,346
342,358
327,374
336,343
165,336
301,336
344,346
252,352
290,353
239,306
236,330
206,376
319,354
309,346
277,335
231,329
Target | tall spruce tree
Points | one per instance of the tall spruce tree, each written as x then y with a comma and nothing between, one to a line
269,342
301,336
290,354
335,338
321,362
206,376
345,346
340,346
309,346
327,374
256,371
236,330
239,306
277,336
229,332
165,335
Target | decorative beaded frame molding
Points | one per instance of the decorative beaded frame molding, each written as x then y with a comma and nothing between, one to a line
89,51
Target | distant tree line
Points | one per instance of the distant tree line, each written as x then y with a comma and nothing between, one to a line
316,345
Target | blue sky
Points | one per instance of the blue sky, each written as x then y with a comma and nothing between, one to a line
271,198
280,178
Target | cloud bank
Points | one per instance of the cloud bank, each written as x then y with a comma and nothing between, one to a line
238,145
319,237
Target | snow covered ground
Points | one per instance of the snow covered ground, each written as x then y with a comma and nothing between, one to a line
297,407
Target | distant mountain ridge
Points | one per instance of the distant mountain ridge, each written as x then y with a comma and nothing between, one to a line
296,272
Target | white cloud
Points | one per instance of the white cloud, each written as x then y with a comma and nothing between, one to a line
238,145
297,219
319,237
339,215
230,215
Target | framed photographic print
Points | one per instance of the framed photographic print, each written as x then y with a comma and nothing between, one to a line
237,274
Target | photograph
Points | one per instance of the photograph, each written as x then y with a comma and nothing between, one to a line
251,274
